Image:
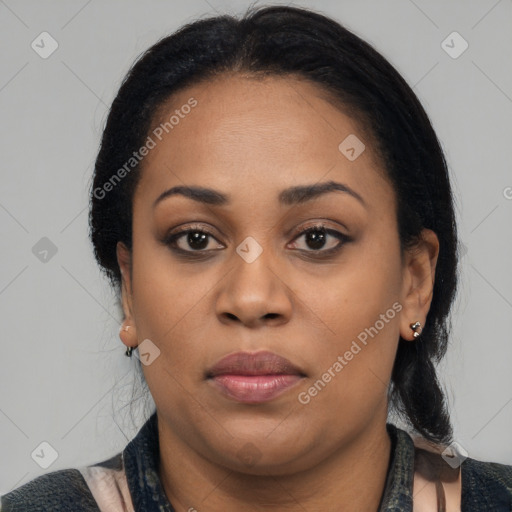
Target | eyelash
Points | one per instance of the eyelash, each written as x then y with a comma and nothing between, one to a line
171,240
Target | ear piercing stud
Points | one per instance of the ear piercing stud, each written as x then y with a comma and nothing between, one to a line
415,326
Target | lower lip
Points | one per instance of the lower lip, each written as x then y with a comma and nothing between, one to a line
252,389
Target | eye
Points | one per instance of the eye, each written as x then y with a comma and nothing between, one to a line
320,239
192,240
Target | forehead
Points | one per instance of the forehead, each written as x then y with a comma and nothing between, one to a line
250,131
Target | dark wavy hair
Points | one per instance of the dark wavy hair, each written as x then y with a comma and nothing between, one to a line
280,41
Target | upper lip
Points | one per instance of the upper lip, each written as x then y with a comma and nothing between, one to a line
253,363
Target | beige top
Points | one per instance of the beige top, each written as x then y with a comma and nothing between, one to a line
109,488
436,486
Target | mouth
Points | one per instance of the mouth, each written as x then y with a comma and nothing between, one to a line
254,377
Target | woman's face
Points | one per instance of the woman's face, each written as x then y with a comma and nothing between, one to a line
333,302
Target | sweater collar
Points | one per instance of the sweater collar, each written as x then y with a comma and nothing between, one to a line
397,496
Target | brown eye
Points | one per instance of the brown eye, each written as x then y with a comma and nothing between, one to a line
321,239
192,240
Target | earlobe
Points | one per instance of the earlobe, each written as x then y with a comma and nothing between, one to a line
128,336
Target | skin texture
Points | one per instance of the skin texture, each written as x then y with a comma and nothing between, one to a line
251,138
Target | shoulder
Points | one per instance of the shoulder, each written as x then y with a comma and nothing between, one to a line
61,490
485,471
480,485
486,484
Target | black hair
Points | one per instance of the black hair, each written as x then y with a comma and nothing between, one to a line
284,41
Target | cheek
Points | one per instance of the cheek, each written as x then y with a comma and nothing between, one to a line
162,294
173,308
355,358
354,297
360,327
359,310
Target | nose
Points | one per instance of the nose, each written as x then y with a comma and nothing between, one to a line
254,294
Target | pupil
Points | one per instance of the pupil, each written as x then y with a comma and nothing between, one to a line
316,239
197,240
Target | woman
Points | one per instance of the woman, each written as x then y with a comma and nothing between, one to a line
273,207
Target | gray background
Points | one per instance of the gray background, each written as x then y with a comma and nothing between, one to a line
64,378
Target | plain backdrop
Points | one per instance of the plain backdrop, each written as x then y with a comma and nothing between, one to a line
64,379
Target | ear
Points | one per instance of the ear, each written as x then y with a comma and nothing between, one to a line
128,330
418,282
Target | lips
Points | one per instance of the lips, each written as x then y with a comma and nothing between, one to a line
256,363
253,377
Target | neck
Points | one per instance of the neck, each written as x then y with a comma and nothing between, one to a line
352,477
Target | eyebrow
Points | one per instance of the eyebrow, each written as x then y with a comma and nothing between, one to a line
290,196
